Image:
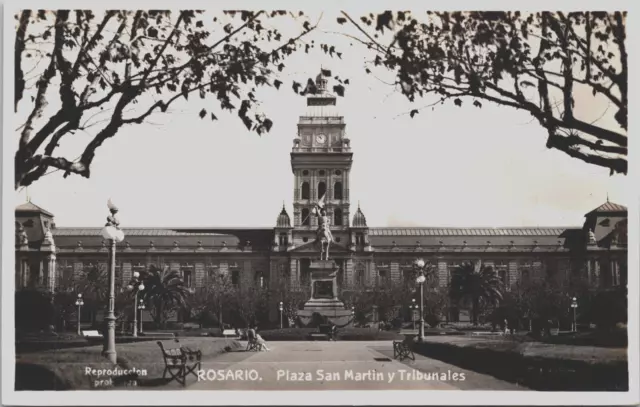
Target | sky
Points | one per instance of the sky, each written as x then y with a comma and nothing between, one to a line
450,166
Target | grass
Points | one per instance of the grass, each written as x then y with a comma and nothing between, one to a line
65,369
344,334
539,366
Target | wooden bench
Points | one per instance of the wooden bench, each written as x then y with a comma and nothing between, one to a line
404,349
180,361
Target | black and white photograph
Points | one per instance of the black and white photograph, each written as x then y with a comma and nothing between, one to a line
319,203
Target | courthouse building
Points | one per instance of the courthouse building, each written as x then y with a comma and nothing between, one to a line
321,161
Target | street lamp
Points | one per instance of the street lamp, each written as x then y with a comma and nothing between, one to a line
280,308
420,265
136,286
113,234
79,303
414,308
141,307
574,305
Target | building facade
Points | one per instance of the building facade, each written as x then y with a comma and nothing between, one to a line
51,256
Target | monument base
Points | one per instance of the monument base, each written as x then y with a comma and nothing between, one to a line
324,296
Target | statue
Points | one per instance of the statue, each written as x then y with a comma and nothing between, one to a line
111,219
21,235
323,234
48,237
592,237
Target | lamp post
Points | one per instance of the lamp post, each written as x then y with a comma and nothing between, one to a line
136,286
79,303
113,234
574,305
141,307
414,308
280,308
420,264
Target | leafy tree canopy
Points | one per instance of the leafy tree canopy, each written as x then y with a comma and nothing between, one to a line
94,73
551,65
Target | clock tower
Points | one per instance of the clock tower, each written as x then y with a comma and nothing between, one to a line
321,163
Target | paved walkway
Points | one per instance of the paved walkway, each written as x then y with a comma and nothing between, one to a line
348,365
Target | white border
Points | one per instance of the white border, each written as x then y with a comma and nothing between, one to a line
382,397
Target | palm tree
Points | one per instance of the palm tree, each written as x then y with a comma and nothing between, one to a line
164,293
94,288
477,284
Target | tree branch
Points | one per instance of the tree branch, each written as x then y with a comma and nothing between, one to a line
18,49
380,47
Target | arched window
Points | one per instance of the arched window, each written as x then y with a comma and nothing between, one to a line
322,189
337,190
305,190
337,217
306,220
283,240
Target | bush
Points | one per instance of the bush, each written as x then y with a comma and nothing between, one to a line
34,310
208,319
344,334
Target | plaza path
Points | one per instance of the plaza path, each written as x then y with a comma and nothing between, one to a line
348,365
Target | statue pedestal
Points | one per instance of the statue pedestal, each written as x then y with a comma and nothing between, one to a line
324,295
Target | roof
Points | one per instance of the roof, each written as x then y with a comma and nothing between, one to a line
609,207
128,232
433,231
30,207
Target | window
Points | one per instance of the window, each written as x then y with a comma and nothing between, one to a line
502,270
382,276
337,240
305,271
503,276
305,239
306,219
359,239
360,274
187,277
283,239
407,275
284,272
605,223
337,190
305,190
337,217
259,279
212,273
322,189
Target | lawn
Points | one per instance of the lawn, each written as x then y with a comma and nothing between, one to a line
65,369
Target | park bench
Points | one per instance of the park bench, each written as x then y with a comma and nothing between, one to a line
403,349
325,331
180,361
91,334
229,333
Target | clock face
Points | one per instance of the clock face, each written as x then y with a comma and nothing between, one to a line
321,138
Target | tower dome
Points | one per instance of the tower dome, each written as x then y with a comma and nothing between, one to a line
283,219
359,220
